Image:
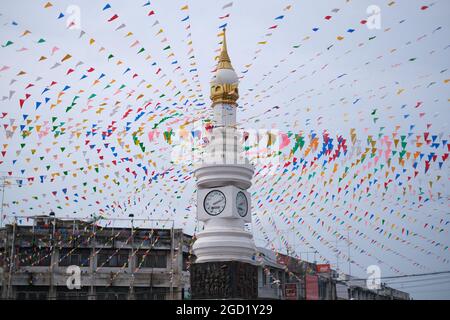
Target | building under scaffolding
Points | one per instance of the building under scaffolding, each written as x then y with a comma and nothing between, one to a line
115,262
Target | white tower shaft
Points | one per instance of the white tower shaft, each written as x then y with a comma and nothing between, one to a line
225,168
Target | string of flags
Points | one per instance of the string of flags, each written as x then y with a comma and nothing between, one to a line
77,136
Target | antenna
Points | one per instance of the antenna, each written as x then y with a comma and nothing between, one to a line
347,240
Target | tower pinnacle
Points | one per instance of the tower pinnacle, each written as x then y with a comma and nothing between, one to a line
224,58
224,85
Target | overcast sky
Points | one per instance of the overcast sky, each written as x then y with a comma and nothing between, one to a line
317,73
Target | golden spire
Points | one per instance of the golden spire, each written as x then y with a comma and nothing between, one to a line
224,86
224,59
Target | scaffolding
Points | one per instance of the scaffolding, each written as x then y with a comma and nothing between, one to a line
131,234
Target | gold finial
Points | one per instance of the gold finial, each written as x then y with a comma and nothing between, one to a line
224,59
222,91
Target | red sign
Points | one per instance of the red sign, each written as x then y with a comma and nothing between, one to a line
312,287
323,268
290,291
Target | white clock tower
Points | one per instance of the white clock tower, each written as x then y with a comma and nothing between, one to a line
223,203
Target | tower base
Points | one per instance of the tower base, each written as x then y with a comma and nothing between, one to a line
224,280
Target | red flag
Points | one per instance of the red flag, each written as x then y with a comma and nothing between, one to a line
114,17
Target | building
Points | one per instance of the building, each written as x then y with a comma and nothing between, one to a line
285,277
144,263
357,290
115,263
271,275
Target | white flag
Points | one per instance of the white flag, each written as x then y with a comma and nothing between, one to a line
227,5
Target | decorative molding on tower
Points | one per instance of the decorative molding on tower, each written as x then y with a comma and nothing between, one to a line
224,93
224,280
219,175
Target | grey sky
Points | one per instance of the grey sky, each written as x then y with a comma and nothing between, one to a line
330,75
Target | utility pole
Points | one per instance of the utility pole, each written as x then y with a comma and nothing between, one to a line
11,260
348,253
131,259
92,261
171,260
337,254
179,265
3,201
307,255
52,295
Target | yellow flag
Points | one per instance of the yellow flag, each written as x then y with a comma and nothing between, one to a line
66,57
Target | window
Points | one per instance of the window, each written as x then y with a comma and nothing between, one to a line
124,235
103,237
142,238
32,293
272,279
301,289
323,290
153,259
78,257
280,277
111,258
152,293
111,293
34,257
64,293
186,261
264,277
25,240
3,258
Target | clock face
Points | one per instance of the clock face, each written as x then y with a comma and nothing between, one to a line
241,204
214,202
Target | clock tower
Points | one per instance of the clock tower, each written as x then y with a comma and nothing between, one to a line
225,264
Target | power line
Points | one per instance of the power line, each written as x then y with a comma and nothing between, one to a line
426,291
394,281
404,276
426,284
